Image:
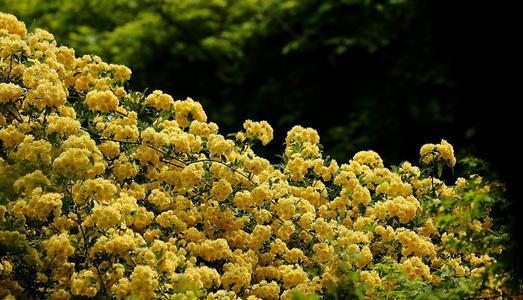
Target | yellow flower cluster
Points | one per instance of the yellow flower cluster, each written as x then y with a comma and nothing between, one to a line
101,100
444,150
59,247
212,250
116,207
404,209
159,100
221,189
85,283
258,130
187,111
10,92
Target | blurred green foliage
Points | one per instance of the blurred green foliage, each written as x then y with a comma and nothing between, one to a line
367,74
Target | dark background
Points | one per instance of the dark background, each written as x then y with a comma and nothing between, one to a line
382,75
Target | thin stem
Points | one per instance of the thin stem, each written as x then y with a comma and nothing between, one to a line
221,162
171,163
10,66
167,154
100,137
82,232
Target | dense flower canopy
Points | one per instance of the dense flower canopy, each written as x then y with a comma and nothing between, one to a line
106,192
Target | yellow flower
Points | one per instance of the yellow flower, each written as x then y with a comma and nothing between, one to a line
121,73
103,101
192,175
221,190
236,277
41,205
430,152
266,290
12,25
159,100
258,130
11,136
110,149
170,219
28,182
218,145
98,189
188,110
285,231
364,257
104,217
38,151
62,125
323,251
291,277
300,134
284,208
58,247
415,268
85,283
447,152
202,128
163,207
370,158
5,268
143,283
212,250
414,244
10,92
361,195
160,199
123,168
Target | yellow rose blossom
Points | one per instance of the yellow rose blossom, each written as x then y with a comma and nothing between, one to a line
10,92
429,152
104,217
123,168
218,145
212,250
11,136
121,72
29,182
236,277
41,205
12,25
221,190
266,290
285,208
414,244
192,175
415,268
292,276
46,94
85,283
63,125
110,149
159,100
34,150
103,101
143,282
59,247
258,130
188,110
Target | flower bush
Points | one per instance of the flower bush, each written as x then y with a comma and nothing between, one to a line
111,193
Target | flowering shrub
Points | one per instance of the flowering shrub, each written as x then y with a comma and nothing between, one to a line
107,192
